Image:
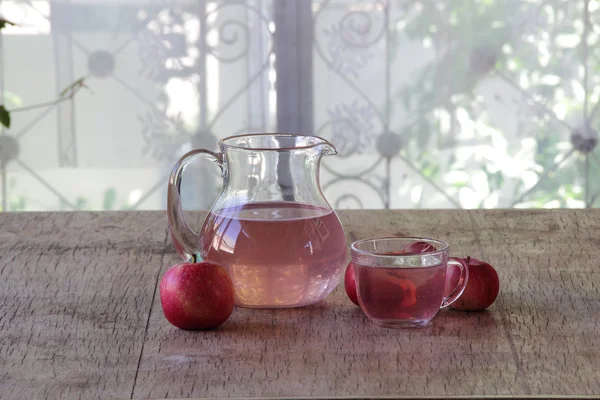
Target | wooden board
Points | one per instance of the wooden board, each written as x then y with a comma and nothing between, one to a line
80,316
550,294
75,294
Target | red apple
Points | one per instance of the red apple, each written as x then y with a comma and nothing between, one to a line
418,247
197,295
350,284
482,288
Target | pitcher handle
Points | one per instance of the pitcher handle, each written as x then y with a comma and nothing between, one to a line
185,240
462,281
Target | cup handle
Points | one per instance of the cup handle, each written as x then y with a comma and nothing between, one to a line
186,241
462,282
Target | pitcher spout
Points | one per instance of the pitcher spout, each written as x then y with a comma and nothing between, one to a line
327,149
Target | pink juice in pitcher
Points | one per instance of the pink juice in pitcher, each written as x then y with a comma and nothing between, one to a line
410,294
278,254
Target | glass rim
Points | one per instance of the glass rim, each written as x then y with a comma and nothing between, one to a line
223,143
444,248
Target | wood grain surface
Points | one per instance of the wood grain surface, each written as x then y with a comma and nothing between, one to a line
80,316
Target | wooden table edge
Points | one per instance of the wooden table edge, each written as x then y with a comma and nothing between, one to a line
390,397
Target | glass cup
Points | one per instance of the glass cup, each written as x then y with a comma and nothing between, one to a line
400,288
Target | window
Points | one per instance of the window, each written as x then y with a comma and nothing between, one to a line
470,103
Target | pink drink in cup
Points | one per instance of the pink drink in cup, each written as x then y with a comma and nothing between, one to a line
397,289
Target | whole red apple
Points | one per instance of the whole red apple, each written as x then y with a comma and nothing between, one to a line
197,295
482,288
350,284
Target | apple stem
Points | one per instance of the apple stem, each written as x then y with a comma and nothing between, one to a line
196,257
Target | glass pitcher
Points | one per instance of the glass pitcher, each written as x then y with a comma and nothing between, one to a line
271,226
